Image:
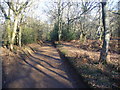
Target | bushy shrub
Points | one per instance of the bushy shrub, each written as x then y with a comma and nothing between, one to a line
28,36
68,34
54,33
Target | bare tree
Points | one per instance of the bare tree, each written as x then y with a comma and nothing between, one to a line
7,20
106,35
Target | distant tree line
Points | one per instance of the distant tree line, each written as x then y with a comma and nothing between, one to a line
84,20
67,21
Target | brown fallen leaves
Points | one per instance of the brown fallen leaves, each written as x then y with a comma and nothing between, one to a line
85,58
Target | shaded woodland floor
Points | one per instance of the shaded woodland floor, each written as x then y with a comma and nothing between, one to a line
40,68
84,56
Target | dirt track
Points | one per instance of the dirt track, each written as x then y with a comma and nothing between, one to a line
43,69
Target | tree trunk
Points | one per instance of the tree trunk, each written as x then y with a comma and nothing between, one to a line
60,29
19,37
8,31
81,36
59,21
101,34
106,37
14,32
100,38
6,36
100,24
84,37
82,32
59,34
119,28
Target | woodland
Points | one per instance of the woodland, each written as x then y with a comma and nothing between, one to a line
85,34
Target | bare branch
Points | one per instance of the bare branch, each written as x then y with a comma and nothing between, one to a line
3,11
23,6
86,11
11,5
117,13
